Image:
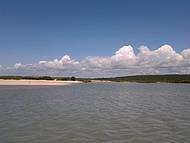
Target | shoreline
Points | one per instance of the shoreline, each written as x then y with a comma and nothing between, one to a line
37,82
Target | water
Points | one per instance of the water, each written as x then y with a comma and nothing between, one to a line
95,113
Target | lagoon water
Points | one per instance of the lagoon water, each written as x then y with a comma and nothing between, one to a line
95,113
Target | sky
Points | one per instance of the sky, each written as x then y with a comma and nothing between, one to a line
94,37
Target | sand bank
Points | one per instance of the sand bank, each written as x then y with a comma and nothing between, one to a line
36,82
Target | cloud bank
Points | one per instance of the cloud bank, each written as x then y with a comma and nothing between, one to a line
164,60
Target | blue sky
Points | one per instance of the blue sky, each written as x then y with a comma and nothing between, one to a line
35,30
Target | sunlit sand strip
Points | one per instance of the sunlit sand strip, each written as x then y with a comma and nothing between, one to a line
36,82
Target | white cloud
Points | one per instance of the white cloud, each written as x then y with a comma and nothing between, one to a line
124,57
64,63
18,65
186,53
164,56
163,60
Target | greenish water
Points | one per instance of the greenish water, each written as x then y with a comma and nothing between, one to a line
95,112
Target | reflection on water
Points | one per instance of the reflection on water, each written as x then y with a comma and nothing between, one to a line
96,112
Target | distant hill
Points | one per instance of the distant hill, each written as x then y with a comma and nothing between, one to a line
172,78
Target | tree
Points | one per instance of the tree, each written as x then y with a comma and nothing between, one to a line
73,78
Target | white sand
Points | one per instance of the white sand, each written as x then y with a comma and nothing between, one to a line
36,82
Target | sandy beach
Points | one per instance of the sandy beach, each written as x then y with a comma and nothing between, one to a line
37,82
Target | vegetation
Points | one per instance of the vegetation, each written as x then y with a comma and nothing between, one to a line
27,77
64,78
43,78
175,78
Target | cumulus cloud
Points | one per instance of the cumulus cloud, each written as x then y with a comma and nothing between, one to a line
164,60
124,57
64,63
18,65
162,57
